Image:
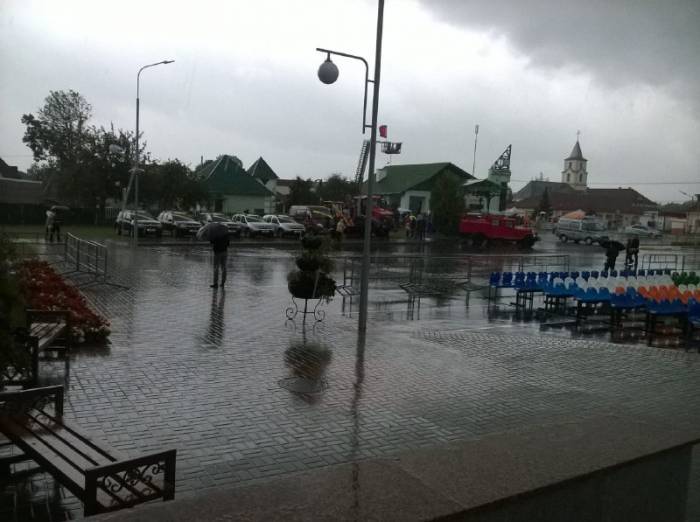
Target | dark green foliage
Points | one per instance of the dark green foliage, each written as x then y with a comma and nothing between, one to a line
312,280
545,205
12,320
301,193
337,188
447,204
171,185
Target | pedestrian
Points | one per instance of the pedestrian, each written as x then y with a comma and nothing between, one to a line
50,219
56,226
420,226
220,247
632,256
612,249
340,229
412,223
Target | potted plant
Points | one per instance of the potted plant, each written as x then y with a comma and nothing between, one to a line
311,280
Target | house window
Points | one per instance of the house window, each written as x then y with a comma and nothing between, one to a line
580,178
568,178
415,204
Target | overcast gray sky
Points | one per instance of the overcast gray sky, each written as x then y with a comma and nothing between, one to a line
626,73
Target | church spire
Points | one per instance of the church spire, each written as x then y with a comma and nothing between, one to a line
575,173
576,153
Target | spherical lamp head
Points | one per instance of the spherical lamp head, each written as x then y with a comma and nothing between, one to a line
328,72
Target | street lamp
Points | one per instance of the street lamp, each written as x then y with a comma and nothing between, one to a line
135,170
328,73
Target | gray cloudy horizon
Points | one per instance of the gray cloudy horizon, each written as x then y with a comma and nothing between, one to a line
624,73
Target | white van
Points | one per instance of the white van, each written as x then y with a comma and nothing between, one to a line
589,230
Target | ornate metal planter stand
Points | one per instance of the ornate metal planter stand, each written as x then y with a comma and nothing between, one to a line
318,313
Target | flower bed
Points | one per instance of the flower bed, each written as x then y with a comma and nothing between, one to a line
45,289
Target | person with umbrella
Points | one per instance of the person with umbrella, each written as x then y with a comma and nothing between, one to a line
612,249
217,234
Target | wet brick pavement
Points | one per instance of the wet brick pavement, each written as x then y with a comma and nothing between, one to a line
208,373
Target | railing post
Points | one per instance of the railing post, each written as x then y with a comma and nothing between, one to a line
77,256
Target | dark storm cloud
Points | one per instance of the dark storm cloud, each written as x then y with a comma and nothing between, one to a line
621,42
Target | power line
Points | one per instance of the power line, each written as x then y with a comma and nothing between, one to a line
627,183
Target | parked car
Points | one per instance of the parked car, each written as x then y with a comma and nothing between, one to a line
589,230
234,229
284,225
641,231
178,223
316,218
252,225
124,224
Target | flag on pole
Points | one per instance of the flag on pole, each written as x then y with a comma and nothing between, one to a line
382,131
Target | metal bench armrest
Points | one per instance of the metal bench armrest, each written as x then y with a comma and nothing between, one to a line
130,482
32,397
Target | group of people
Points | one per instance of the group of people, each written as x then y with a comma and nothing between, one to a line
416,226
613,248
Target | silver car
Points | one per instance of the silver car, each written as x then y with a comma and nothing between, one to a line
234,229
252,225
284,225
642,231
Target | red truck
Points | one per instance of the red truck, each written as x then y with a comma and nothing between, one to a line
382,216
480,228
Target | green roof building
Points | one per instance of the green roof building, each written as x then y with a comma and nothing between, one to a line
261,171
409,186
232,190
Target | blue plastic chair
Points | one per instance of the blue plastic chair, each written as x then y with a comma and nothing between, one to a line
595,274
693,313
506,279
641,272
613,273
574,275
495,278
586,275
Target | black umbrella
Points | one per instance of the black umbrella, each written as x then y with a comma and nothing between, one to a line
212,231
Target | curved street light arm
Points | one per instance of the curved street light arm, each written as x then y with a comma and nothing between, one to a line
367,80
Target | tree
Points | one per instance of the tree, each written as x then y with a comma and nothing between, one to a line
105,165
171,185
59,131
337,188
301,193
77,160
447,204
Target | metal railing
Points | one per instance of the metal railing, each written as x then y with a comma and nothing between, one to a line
87,258
462,268
675,262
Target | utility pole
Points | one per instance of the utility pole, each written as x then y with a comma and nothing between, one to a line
476,135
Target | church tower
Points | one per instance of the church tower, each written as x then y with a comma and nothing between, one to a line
575,173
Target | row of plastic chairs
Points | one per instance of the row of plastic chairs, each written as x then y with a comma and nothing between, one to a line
677,306
515,279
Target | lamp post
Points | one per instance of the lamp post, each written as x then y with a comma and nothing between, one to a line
328,73
135,169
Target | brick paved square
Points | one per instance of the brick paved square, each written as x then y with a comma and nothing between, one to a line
208,373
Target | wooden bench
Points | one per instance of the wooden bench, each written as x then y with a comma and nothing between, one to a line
104,481
50,329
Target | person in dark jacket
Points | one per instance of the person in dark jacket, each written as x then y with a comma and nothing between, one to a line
632,257
220,246
612,249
